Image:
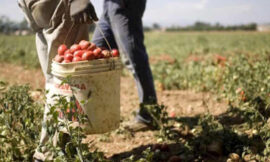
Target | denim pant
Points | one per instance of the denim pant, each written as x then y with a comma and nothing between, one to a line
121,23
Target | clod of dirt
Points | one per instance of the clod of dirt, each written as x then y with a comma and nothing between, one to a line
162,147
229,160
215,148
165,147
183,132
174,159
156,147
235,157
36,95
247,157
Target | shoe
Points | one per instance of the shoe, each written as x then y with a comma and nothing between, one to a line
136,126
141,122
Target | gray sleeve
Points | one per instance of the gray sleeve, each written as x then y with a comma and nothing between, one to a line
40,13
78,6
24,5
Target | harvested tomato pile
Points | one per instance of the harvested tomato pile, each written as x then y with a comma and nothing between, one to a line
84,51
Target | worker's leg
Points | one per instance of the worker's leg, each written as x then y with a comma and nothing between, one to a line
104,26
123,24
126,22
47,49
61,30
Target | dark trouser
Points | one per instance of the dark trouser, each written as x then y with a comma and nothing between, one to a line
121,23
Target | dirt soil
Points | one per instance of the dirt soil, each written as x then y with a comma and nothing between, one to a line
121,142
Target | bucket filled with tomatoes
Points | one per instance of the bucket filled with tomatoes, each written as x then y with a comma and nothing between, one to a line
94,80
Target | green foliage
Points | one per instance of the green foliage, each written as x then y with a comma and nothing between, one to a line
70,146
20,124
21,49
181,45
202,26
18,50
234,66
238,78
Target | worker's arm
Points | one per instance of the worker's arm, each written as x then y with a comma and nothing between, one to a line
24,5
82,11
39,12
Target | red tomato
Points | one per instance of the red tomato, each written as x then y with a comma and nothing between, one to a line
74,47
68,56
84,44
92,47
242,93
97,52
115,53
61,49
76,59
78,53
172,115
66,61
59,58
67,51
101,55
89,55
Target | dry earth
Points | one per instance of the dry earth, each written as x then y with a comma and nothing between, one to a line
121,142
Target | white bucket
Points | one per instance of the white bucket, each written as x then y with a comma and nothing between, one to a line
97,85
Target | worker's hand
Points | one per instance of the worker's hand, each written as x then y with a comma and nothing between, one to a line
82,11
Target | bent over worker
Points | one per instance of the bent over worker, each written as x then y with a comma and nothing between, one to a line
51,20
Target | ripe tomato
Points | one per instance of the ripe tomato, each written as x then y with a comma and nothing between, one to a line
68,56
74,47
97,52
89,55
92,47
77,59
115,53
59,58
242,93
67,51
84,44
61,49
172,115
101,55
78,53
106,53
66,61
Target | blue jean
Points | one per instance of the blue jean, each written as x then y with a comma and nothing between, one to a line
121,23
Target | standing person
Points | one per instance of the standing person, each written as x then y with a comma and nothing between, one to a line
121,23
52,21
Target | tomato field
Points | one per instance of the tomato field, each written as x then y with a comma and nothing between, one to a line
214,102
